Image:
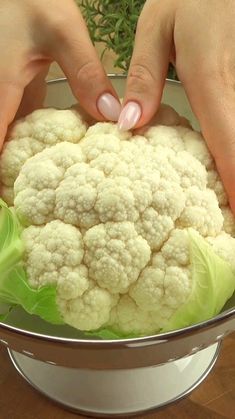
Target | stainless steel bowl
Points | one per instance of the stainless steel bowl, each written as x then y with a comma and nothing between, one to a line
30,340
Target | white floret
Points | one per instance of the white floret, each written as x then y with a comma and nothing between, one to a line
214,182
166,137
77,194
201,212
129,318
165,115
190,170
50,126
196,146
89,312
115,254
157,289
169,199
35,187
176,250
96,144
31,135
224,246
229,221
103,128
54,253
154,228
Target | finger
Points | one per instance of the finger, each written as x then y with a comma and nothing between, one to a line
149,65
73,50
215,110
34,94
11,95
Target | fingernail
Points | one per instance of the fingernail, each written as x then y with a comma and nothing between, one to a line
129,116
109,107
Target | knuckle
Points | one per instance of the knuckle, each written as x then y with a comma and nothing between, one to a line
140,78
90,72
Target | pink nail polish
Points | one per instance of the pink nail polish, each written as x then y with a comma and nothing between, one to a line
109,107
129,116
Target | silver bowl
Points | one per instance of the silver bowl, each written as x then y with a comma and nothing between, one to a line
117,377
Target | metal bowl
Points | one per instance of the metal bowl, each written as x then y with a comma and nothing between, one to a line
65,352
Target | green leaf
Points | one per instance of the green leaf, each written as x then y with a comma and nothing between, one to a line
213,284
14,287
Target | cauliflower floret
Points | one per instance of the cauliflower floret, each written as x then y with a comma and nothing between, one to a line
72,284
224,246
95,145
196,146
166,137
35,195
157,289
108,128
166,283
54,253
77,194
229,221
129,318
115,254
201,212
155,228
169,199
214,183
175,251
165,115
32,134
89,312
50,127
190,170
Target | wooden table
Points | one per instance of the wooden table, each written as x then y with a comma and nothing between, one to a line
214,399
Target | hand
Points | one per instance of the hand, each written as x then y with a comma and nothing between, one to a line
33,34
199,36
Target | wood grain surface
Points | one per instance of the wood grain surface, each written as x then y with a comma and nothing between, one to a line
214,399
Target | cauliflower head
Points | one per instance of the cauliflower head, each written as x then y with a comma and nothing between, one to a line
127,227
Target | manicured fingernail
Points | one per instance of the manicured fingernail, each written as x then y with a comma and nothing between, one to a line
129,116
109,107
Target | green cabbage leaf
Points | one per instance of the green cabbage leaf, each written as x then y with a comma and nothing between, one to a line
213,285
14,287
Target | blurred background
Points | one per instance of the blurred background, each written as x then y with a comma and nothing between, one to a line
112,26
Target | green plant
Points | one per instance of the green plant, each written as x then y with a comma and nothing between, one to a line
113,23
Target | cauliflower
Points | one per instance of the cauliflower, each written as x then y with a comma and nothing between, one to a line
131,230
32,134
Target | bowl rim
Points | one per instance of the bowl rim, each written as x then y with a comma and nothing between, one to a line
116,343
111,76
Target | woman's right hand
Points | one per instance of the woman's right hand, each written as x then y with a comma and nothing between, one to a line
33,34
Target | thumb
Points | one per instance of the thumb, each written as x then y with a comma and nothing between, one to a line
74,52
149,65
